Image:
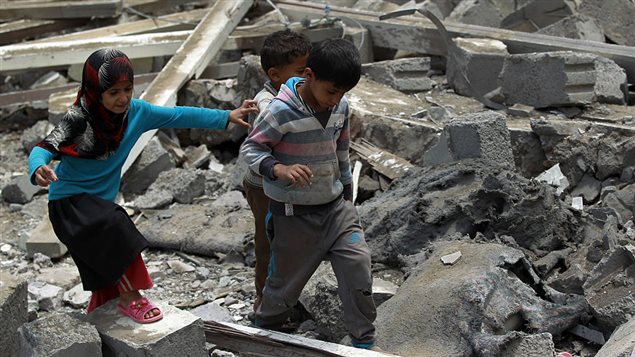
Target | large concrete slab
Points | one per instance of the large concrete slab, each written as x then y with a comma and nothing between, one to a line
43,240
179,333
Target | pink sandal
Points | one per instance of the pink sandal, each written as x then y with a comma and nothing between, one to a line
137,309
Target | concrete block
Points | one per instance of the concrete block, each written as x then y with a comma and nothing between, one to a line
179,333
478,135
477,12
611,82
615,17
477,59
575,26
13,311
35,134
405,75
59,335
43,240
608,288
153,160
539,345
20,190
621,343
549,79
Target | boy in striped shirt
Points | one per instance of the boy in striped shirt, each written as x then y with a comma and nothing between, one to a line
300,146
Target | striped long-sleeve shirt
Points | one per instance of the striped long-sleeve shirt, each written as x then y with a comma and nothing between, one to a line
289,134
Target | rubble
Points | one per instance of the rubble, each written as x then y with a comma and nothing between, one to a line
13,310
544,267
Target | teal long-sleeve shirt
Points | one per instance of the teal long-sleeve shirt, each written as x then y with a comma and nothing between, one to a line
103,177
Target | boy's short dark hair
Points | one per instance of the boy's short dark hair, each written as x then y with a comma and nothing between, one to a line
337,61
280,48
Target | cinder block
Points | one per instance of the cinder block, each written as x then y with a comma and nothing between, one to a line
59,335
405,74
477,59
179,333
477,135
549,79
13,311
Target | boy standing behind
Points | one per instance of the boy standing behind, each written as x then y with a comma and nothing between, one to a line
283,55
300,145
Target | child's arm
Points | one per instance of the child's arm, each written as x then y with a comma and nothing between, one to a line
257,151
39,172
155,117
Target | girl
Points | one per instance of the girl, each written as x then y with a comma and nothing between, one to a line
92,143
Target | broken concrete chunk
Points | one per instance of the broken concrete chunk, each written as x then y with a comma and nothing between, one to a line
554,177
406,75
571,281
477,12
478,61
545,264
212,312
33,135
549,79
622,201
77,297
479,135
538,345
48,296
615,17
43,240
13,311
450,259
59,335
588,188
179,333
588,334
621,343
575,26
611,82
383,290
577,203
153,160
20,190
608,288
184,184
534,15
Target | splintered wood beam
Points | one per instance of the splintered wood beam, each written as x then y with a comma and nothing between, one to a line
416,33
45,54
190,60
384,162
168,23
51,54
251,341
17,31
33,9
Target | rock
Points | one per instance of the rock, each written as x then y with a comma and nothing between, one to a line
59,335
152,161
614,17
48,297
179,267
622,201
33,135
477,12
77,297
554,177
621,343
575,26
13,311
383,290
212,312
20,190
571,281
589,188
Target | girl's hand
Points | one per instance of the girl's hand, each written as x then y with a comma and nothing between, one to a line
237,116
44,175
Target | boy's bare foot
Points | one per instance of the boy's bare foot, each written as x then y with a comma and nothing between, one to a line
126,298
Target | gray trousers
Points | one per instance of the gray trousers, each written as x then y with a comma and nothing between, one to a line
300,243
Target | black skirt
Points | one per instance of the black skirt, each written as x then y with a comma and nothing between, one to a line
99,235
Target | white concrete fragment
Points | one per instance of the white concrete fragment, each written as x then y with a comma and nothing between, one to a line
577,203
450,259
554,176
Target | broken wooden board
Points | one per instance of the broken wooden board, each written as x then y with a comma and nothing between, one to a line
179,21
256,342
16,31
417,34
33,9
387,164
51,54
190,60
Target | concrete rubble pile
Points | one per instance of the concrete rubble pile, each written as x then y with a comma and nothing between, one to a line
496,190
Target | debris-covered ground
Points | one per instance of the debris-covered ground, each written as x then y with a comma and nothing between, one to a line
496,182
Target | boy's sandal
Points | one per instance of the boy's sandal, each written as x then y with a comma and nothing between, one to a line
137,309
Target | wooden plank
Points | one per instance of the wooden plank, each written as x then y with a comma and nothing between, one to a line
153,6
50,54
387,164
191,59
418,34
16,31
30,9
257,342
179,21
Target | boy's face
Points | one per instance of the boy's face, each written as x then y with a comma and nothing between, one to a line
281,74
325,94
